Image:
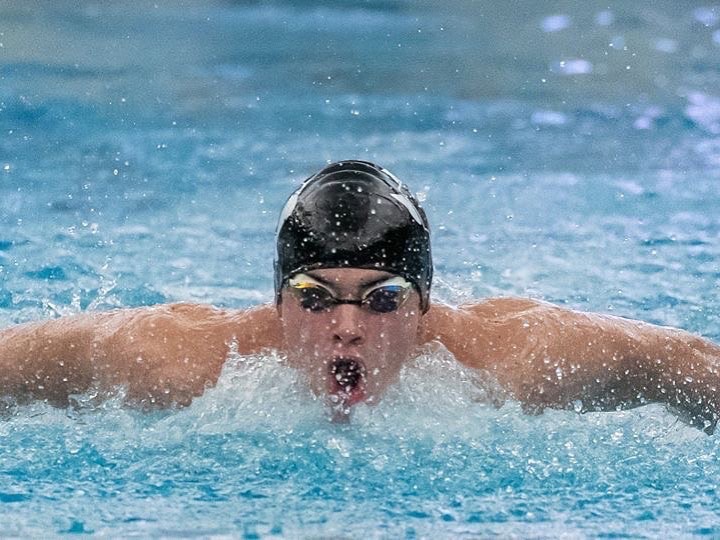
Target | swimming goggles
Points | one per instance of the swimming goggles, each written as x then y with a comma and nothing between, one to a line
385,297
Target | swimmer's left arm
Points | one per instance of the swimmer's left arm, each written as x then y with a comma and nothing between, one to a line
622,363
548,356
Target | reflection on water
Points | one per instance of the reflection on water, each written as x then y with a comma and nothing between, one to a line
205,55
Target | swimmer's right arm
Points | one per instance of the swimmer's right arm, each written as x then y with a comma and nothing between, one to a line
47,360
162,356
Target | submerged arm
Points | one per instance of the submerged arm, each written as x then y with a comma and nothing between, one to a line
548,356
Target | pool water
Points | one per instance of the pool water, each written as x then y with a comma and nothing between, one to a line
565,151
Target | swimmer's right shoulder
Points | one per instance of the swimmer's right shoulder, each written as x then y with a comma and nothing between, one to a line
180,311
254,328
161,316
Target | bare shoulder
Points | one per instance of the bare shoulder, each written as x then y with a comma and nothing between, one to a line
539,317
502,308
184,323
160,316
161,355
170,353
501,330
496,330
443,318
511,314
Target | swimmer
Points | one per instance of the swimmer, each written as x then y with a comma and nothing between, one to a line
352,305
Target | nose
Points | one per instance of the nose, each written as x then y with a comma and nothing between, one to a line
347,325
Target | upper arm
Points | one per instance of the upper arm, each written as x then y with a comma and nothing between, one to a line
548,356
170,354
545,355
48,360
162,355
154,353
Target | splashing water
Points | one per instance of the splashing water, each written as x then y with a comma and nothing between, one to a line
439,448
570,155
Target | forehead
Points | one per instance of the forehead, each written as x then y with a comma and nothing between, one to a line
349,278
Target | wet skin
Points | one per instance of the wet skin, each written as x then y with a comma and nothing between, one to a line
543,355
380,343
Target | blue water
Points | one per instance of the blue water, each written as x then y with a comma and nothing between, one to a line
565,151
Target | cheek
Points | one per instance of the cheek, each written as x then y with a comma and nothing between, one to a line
301,331
398,334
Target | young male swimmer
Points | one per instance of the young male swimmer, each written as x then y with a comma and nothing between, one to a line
352,280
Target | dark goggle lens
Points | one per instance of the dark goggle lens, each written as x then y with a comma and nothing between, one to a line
385,299
315,298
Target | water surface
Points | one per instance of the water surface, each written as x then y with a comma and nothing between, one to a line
565,151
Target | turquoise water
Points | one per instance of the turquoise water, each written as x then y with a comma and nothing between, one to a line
565,151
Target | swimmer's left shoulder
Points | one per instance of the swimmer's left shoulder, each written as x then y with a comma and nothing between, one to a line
491,309
502,307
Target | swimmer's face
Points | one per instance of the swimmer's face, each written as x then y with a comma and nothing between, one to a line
350,353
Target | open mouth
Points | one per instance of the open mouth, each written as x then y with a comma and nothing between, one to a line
347,378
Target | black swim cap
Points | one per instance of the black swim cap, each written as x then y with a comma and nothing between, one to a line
354,214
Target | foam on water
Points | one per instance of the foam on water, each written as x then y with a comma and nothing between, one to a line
440,448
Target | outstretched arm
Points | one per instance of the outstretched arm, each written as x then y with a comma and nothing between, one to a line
162,356
547,356
48,360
